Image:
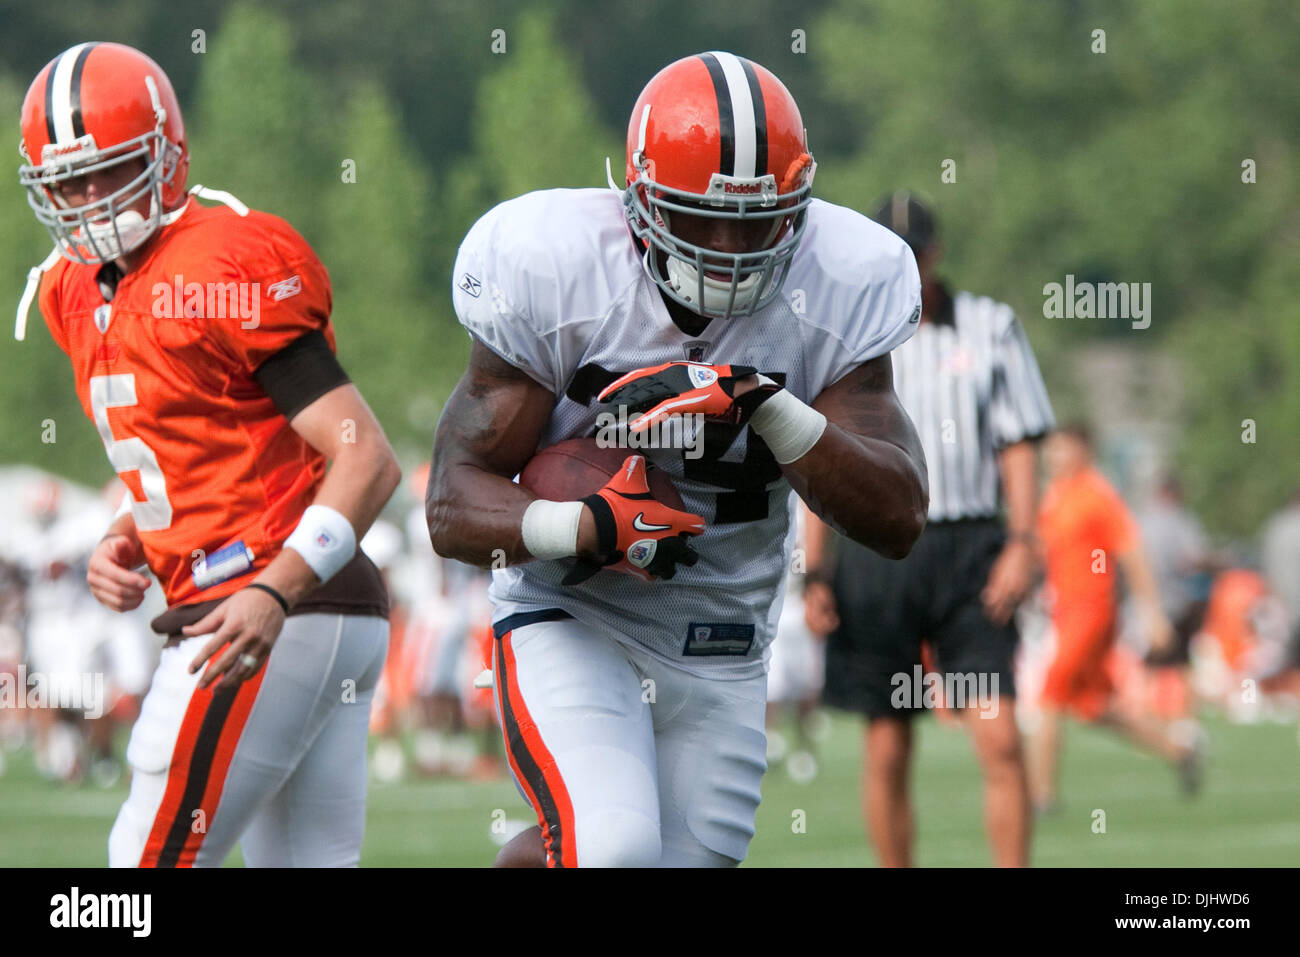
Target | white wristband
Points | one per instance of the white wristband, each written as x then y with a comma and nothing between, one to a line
325,540
788,426
551,528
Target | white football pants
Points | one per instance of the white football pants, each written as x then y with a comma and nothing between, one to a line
279,761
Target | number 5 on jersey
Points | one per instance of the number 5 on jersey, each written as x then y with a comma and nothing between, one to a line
130,454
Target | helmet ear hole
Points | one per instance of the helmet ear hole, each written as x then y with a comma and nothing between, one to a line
171,157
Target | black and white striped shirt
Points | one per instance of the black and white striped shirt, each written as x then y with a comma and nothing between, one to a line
970,384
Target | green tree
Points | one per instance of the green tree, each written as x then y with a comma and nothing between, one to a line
1115,165
534,127
396,333
260,126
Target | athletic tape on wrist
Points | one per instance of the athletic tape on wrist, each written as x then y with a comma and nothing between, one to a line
550,529
325,539
788,426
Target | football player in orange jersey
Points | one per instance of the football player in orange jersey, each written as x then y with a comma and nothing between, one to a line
201,347
1086,529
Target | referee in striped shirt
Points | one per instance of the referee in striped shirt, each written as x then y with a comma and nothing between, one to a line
969,382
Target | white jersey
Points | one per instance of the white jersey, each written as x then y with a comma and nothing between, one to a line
553,282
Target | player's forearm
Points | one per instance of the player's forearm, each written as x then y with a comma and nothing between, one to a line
1142,582
360,481
477,517
816,538
1017,465
124,524
874,491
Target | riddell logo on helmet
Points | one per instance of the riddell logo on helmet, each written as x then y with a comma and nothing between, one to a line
53,151
721,184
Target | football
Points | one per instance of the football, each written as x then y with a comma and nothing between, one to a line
575,468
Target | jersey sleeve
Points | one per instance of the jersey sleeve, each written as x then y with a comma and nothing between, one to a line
48,301
1019,407
873,313
287,290
495,300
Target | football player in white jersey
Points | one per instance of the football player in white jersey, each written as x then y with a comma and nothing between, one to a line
631,637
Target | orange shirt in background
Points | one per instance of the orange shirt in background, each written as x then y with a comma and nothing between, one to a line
1227,618
1084,526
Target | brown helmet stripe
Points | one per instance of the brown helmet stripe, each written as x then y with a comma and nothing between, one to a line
78,126
726,115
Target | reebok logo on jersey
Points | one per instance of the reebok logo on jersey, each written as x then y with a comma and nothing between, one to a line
284,289
470,285
639,523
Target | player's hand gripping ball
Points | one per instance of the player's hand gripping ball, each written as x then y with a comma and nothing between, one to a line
635,533
677,388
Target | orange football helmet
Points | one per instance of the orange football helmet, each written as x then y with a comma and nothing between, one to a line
715,137
94,107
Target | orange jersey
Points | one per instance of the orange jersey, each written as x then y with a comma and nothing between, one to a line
165,371
1228,615
1084,526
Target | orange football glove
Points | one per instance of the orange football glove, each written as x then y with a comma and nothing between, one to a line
636,534
679,388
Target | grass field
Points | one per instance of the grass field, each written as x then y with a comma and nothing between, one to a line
1247,815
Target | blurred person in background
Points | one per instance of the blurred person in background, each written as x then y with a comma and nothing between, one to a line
970,383
1244,658
385,546
449,612
1280,558
13,616
1086,531
445,744
64,639
796,670
1175,542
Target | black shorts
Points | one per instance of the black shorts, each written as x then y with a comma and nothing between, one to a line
887,608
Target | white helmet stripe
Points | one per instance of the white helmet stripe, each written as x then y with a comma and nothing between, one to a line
742,111
61,94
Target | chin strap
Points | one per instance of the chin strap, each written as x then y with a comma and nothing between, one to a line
29,292
219,196
36,272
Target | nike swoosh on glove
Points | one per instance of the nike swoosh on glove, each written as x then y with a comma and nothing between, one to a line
636,534
680,388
